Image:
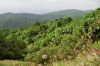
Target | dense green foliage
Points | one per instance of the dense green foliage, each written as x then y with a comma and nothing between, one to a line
60,39
20,20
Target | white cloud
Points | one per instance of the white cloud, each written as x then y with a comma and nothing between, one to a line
43,6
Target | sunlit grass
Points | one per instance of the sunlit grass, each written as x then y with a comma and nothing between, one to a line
83,59
15,63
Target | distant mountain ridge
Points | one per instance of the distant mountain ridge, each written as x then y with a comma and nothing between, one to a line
18,20
71,12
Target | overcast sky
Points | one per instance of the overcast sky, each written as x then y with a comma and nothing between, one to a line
45,6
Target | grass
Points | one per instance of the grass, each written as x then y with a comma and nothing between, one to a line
86,58
15,63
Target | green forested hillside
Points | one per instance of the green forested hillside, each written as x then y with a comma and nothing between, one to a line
59,14
20,20
60,39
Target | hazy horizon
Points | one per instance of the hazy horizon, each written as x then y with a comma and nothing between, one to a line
40,13
45,6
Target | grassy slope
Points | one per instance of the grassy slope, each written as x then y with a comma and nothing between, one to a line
15,63
86,58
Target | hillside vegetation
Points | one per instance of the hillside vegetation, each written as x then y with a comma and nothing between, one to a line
21,20
61,39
